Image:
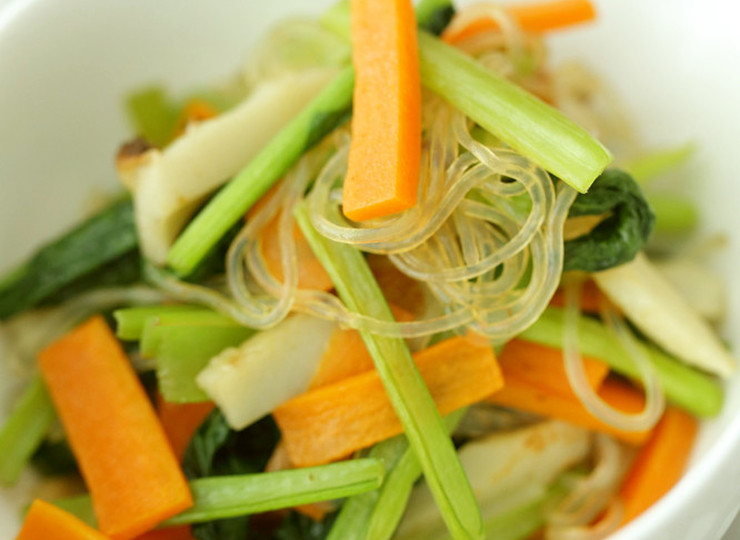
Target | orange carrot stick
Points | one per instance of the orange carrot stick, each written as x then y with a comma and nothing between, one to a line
520,394
346,355
180,421
182,532
45,521
542,366
539,17
384,156
659,464
333,421
123,452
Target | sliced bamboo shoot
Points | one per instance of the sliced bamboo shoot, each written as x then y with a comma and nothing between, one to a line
275,365
649,300
168,185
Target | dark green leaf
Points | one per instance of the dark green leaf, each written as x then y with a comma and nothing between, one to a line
125,270
100,251
217,450
618,238
434,15
55,459
223,529
296,526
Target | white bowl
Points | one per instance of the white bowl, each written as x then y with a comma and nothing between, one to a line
66,64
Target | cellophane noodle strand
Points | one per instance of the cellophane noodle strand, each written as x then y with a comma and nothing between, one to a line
608,523
469,239
590,495
24,336
654,397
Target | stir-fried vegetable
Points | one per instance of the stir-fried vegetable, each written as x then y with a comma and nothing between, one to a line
101,251
660,312
619,237
383,169
659,464
408,395
23,431
335,420
501,467
537,17
107,422
169,185
45,521
267,370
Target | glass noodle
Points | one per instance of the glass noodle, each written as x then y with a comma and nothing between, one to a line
507,213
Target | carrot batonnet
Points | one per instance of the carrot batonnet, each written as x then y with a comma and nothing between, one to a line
44,521
385,152
333,421
565,405
543,367
129,467
536,17
660,463
180,421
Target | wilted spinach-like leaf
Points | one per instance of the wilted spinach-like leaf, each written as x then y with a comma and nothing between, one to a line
101,251
55,458
296,526
618,238
217,450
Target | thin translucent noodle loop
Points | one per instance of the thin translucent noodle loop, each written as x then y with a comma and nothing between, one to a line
591,494
485,238
654,397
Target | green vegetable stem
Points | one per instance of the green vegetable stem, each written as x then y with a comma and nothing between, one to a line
406,390
24,430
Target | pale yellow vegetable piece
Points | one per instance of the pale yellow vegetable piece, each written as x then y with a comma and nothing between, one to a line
265,371
168,185
504,469
649,300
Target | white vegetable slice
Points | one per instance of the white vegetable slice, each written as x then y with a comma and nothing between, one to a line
168,185
503,468
270,368
702,288
660,312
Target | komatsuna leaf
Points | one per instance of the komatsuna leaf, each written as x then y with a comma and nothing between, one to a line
217,450
101,251
619,237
